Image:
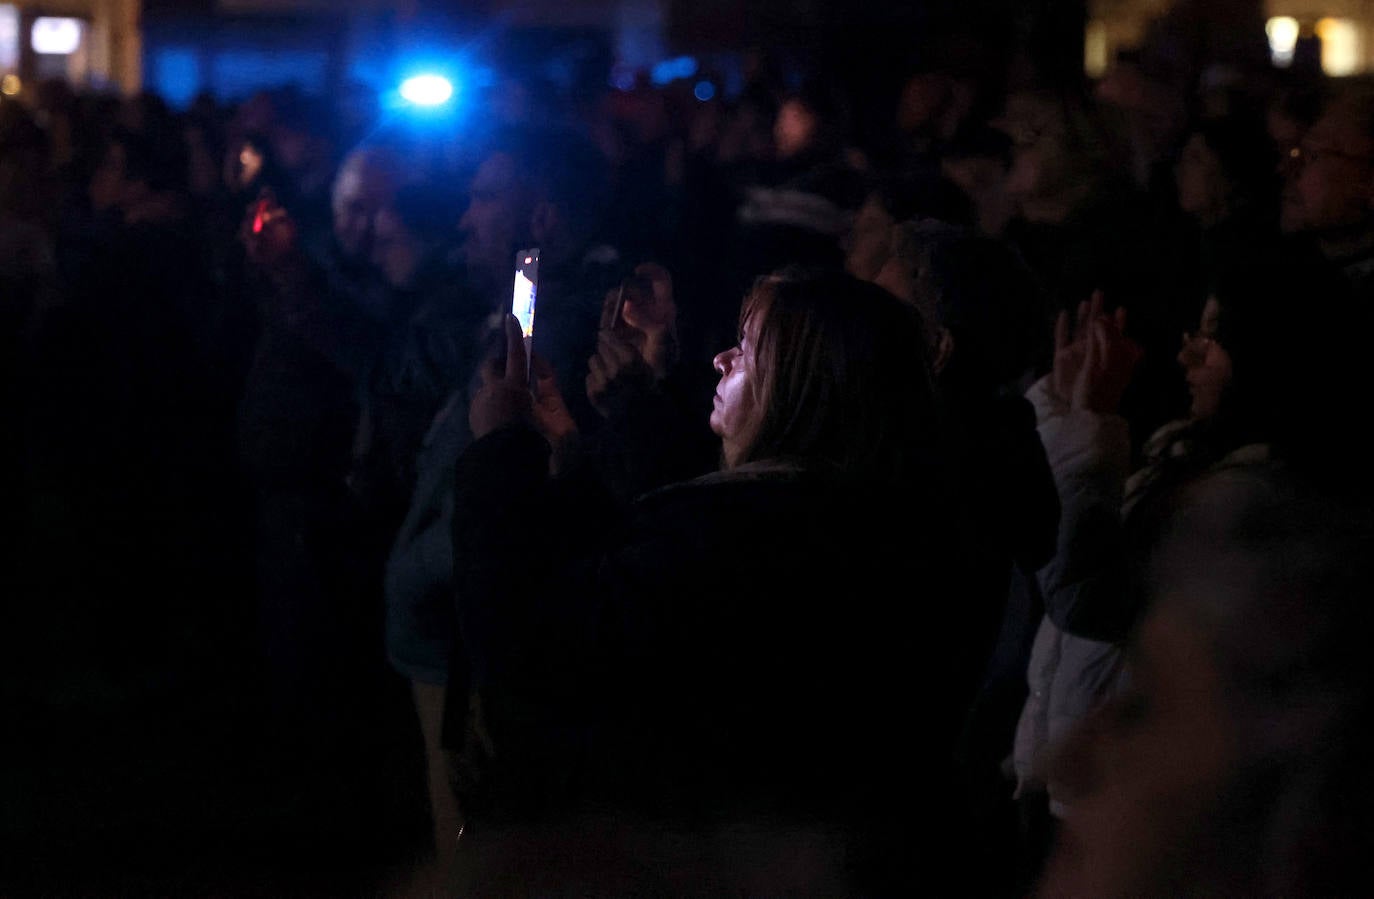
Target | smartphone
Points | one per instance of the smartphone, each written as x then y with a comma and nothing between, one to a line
525,293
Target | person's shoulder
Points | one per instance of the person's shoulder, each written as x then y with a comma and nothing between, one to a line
772,497
755,478
809,502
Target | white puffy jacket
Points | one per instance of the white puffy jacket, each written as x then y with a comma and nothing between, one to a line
1069,675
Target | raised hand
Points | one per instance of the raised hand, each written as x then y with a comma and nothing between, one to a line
637,341
1071,347
1108,365
551,415
504,397
616,373
646,315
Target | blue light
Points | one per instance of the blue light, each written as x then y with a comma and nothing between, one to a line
176,73
704,91
671,70
427,90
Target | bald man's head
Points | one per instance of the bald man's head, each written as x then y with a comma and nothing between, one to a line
367,180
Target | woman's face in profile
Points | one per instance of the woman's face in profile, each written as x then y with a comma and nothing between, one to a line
1206,364
736,402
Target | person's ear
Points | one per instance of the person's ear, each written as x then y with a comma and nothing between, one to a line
544,221
944,350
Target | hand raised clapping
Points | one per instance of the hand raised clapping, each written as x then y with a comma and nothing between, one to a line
1094,363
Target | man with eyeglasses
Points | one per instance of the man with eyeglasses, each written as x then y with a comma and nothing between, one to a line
1328,191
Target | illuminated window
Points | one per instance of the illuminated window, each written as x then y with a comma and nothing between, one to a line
9,37
1096,50
1283,39
1341,46
56,37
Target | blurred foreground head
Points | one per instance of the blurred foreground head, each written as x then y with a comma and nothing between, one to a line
1238,762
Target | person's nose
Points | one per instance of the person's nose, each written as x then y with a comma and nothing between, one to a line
723,361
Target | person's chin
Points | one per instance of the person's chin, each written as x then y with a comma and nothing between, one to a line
715,422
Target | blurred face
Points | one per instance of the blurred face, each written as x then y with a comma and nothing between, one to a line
492,224
1200,180
360,192
794,129
1142,775
869,240
1041,170
1206,364
250,164
1329,177
395,251
736,402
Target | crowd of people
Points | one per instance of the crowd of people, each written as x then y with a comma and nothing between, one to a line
970,508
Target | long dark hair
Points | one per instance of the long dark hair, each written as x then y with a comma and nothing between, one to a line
843,376
1294,330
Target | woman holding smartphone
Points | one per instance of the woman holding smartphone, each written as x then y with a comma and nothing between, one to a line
715,689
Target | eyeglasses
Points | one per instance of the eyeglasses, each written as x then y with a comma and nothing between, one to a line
1309,154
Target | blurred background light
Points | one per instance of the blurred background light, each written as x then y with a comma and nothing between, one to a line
176,73
1283,39
55,36
9,36
427,90
1096,49
1341,47
674,69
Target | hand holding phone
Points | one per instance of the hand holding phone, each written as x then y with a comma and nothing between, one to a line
505,396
